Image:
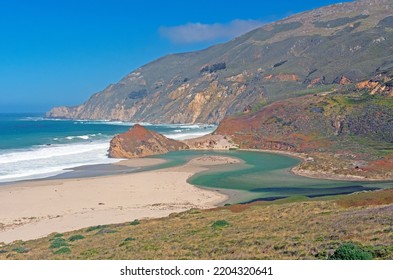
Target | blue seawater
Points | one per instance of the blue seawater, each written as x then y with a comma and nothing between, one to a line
32,146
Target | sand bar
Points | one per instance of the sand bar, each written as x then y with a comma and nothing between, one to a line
30,210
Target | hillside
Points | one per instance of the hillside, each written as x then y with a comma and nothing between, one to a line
316,51
298,228
343,132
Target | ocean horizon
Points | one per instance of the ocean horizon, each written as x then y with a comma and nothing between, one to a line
34,147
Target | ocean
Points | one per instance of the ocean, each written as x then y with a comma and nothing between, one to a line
33,147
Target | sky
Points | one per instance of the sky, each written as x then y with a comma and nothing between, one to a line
56,53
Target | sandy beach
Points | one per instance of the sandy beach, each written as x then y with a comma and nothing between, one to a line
34,209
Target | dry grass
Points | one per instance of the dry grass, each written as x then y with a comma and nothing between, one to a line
306,229
367,199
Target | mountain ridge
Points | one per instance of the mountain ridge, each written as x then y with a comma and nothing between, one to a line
302,54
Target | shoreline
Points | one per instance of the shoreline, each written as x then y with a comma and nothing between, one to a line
34,209
316,174
121,167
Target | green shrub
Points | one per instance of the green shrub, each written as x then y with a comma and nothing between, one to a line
76,237
20,250
95,228
3,251
350,251
380,252
64,250
57,235
129,239
125,242
135,222
58,242
106,231
278,247
220,224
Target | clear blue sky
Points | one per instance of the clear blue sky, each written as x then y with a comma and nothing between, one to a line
61,52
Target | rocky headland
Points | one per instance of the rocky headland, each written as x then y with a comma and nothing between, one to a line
141,142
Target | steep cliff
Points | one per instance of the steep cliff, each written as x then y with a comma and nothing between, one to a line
308,53
140,142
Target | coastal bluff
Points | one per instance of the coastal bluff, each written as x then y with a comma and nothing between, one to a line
312,52
141,142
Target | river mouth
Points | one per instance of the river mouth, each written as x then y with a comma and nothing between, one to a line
260,176
265,177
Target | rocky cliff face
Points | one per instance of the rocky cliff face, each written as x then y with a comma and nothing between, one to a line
140,142
307,53
381,84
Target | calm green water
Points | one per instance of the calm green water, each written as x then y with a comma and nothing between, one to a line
264,176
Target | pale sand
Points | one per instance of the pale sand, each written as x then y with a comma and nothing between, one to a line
140,162
31,210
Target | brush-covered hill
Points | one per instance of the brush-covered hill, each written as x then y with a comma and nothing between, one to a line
312,52
347,132
296,228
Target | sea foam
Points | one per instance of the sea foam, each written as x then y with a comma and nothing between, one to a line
44,161
86,143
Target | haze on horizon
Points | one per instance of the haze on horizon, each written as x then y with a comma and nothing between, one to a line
60,53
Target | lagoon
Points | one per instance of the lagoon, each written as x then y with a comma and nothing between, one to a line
264,176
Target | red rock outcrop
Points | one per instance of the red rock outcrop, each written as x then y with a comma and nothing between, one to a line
377,87
283,77
342,80
141,142
369,84
317,81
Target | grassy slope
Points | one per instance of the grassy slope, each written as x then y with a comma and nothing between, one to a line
289,229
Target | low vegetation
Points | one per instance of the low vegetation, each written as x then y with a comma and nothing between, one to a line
357,226
63,250
76,237
94,228
220,224
350,251
20,250
135,222
58,242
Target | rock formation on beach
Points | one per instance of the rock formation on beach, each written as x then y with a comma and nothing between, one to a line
141,142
